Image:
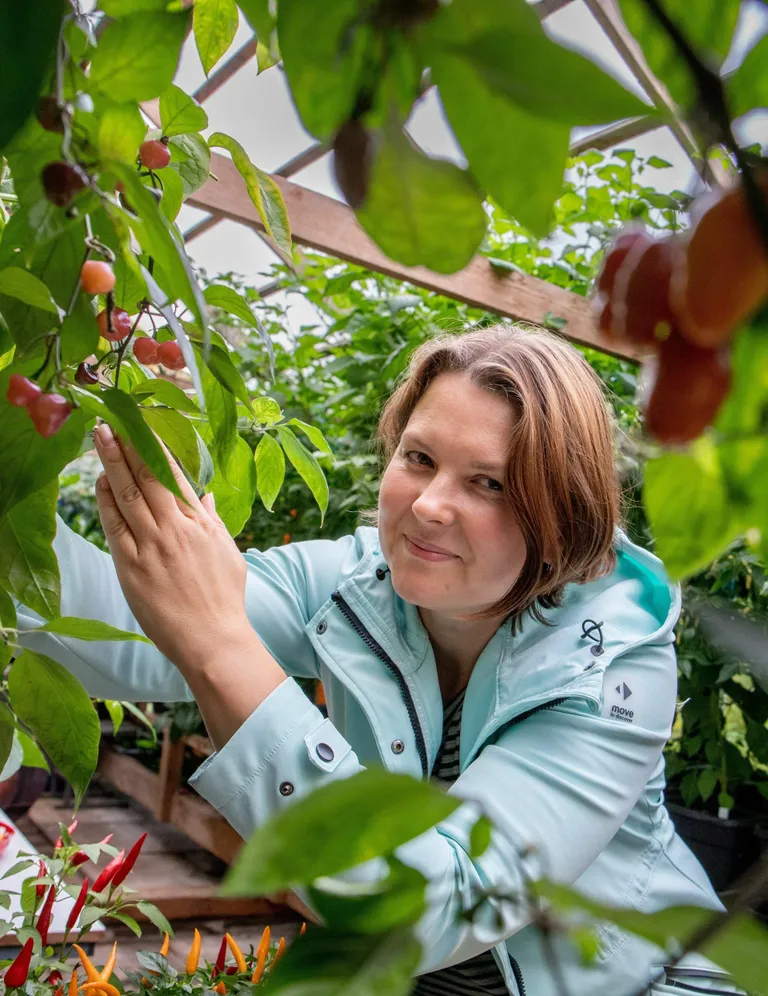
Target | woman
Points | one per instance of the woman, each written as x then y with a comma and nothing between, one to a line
496,631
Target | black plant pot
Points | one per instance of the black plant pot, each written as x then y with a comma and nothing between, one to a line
726,848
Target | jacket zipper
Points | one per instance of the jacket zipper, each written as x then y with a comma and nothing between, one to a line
518,719
383,656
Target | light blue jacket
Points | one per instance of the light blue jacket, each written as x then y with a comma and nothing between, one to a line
560,743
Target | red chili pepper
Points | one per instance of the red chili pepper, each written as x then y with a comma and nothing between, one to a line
130,860
42,871
221,958
78,907
17,972
44,920
108,872
54,977
79,858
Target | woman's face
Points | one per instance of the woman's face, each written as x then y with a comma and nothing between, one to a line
447,531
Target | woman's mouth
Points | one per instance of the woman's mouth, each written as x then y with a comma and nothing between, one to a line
427,551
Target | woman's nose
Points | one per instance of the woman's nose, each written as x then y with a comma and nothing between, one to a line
435,503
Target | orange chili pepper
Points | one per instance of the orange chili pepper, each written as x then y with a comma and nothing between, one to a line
261,954
237,954
73,983
303,929
90,969
165,945
220,988
193,958
278,954
109,967
101,986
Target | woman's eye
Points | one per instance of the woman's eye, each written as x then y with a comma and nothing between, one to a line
416,456
492,484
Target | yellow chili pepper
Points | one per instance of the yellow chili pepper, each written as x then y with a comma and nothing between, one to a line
165,945
261,954
109,967
278,954
105,987
73,983
237,954
193,958
91,971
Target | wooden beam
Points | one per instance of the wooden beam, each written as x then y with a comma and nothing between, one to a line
323,223
303,159
615,134
201,227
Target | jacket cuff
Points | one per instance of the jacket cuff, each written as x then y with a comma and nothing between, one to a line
283,751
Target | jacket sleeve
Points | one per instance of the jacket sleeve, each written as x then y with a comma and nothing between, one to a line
285,586
557,787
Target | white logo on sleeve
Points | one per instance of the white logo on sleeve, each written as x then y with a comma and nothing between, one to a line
620,710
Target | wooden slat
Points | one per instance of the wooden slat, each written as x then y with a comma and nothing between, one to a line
323,223
169,777
226,71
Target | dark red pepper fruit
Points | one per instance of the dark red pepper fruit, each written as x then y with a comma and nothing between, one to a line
17,972
44,920
76,910
21,390
86,376
42,871
221,959
107,873
79,858
48,413
62,181
130,860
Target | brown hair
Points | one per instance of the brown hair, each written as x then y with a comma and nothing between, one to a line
561,481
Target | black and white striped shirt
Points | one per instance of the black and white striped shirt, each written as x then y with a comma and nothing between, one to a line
480,976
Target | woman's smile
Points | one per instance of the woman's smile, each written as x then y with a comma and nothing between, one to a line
428,551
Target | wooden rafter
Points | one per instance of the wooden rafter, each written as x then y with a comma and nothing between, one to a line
323,223
226,71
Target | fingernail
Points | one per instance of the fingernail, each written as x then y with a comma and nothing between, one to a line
105,435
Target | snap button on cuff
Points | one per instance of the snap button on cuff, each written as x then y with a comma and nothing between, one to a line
398,746
286,788
324,752
321,627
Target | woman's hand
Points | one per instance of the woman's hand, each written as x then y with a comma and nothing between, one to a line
180,570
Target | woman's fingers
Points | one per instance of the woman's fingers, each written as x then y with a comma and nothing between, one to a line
124,496
161,501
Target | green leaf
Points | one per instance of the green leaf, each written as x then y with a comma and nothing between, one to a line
28,460
153,914
79,335
658,163
480,837
314,435
309,469
183,440
7,730
70,733
325,50
747,88
136,57
413,201
155,235
334,828
339,964
262,190
492,128
266,410
121,132
127,419
128,921
32,756
221,408
23,285
707,783
121,8
215,26
270,469
88,629
116,714
219,362
397,901
708,27
687,505
191,158
226,298
28,34
173,193
258,15
29,569
180,113
166,392
234,486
